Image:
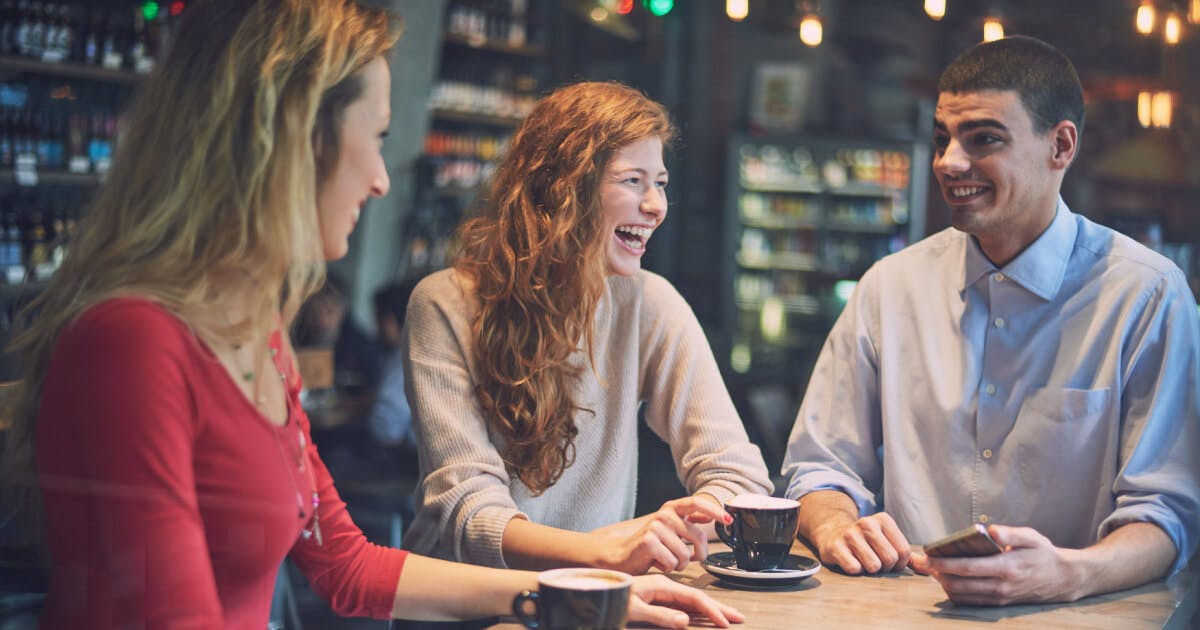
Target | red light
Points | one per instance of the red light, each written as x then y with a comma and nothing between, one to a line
624,7
176,8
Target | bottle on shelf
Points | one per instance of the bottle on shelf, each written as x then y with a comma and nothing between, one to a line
6,138
111,48
12,268
100,147
9,18
92,28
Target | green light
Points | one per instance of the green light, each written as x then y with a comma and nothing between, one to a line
659,7
150,11
843,289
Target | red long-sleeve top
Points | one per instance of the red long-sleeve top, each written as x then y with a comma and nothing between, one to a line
170,501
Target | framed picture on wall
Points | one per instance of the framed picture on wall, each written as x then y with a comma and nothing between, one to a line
779,96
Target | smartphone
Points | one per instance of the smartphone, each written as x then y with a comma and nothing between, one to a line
973,541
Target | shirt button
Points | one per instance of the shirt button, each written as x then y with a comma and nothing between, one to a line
999,322
983,518
990,389
987,453
998,277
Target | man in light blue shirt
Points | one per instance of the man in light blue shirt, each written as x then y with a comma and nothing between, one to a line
390,422
1026,369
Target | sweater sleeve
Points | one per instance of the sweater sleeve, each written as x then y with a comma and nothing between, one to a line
115,437
687,403
464,501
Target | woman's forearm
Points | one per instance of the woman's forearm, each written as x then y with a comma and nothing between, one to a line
438,590
531,546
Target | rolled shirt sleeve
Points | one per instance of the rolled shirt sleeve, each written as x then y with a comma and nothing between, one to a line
1159,478
835,441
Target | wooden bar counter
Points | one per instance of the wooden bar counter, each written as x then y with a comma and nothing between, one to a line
833,600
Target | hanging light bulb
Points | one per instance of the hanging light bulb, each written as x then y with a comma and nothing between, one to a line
737,10
1145,18
936,9
1171,28
1160,109
811,31
1194,12
992,29
1144,103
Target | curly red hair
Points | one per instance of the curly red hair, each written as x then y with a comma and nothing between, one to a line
536,256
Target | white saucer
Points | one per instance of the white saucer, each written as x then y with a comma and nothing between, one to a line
793,569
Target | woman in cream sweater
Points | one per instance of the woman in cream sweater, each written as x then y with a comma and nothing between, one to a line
529,360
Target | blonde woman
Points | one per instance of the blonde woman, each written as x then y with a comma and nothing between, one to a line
161,400
528,362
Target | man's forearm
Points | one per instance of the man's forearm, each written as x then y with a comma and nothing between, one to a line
823,510
1132,555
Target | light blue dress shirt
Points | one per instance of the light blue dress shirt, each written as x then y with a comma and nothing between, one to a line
390,421
1061,392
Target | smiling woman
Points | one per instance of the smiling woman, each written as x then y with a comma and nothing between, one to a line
162,402
529,361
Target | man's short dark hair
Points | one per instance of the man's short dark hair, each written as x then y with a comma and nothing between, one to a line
1044,78
393,299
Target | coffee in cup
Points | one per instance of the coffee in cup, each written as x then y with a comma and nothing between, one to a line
762,530
576,598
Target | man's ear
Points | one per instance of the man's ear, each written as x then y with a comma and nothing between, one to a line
1066,143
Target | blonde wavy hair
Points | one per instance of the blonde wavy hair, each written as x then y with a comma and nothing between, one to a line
536,254
212,192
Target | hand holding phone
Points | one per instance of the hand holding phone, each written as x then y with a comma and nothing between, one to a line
973,541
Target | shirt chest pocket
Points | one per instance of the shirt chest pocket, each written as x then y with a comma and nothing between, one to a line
1065,434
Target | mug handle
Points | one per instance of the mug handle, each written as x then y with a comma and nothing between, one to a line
519,608
725,533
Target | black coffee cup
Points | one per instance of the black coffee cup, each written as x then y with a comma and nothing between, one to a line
762,530
576,599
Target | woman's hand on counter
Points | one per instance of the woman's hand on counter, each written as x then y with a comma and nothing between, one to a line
660,601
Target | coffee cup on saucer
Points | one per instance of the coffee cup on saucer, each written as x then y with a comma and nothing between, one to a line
575,599
762,530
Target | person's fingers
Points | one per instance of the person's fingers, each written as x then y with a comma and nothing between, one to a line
699,509
897,540
857,542
699,542
977,591
919,562
839,553
675,595
660,616
1016,537
672,520
671,541
999,565
882,547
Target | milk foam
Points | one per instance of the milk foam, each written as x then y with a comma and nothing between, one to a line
584,579
761,502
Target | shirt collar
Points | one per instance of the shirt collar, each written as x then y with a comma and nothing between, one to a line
1041,267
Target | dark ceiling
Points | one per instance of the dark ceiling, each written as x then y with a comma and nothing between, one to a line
1098,35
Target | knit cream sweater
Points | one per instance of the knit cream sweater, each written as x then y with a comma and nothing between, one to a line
648,347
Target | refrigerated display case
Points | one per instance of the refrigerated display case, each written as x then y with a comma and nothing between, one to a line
805,217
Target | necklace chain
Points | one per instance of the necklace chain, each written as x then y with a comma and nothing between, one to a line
313,530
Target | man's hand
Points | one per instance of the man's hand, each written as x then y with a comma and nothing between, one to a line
659,540
870,544
1031,569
